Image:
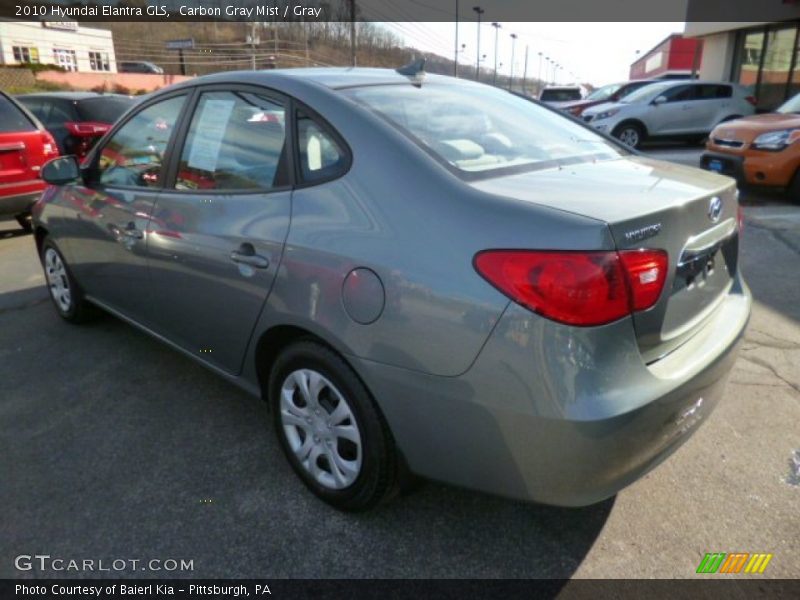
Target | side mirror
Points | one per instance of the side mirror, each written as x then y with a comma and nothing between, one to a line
61,170
660,100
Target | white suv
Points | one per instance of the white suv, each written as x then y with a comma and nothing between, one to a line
687,109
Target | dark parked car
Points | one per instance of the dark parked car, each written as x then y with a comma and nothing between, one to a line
142,66
76,119
24,147
418,274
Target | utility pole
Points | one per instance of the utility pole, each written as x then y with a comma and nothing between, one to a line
525,70
497,27
253,45
305,38
455,55
479,11
513,45
352,33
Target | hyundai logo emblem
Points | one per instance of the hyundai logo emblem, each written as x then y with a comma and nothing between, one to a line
715,209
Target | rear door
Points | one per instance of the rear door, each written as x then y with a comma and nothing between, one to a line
712,100
108,214
217,232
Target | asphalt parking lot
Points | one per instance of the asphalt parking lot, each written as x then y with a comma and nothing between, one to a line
116,447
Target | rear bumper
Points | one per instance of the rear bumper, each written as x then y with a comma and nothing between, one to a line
18,204
559,415
766,168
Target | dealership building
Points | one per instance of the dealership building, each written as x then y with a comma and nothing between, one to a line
762,55
676,56
63,43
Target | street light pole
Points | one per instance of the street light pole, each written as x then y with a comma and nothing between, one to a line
479,11
497,27
525,70
513,45
455,55
539,76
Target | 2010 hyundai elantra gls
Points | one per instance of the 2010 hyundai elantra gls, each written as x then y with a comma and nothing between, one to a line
421,275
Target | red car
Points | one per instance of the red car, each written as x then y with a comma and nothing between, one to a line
608,93
25,146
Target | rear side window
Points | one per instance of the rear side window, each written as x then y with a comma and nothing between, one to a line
60,112
321,156
713,91
103,110
134,155
12,118
237,141
560,95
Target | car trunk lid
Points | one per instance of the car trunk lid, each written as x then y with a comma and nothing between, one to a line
646,203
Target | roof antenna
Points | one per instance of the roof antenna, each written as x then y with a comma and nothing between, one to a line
415,70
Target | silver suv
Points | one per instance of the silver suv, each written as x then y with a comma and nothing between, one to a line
688,109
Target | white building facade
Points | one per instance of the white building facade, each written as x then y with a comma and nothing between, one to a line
63,43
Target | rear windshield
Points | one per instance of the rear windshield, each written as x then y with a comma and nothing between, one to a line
12,118
480,129
560,95
103,110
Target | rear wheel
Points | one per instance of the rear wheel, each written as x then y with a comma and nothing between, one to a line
629,134
65,293
330,429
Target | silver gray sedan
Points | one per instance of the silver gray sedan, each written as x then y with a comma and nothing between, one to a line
421,275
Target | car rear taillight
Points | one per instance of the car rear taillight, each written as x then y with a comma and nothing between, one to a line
577,288
86,128
646,271
752,100
49,146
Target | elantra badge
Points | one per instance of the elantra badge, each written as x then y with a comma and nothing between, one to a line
642,233
715,209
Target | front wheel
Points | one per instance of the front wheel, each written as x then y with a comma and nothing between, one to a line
330,429
25,222
629,134
65,293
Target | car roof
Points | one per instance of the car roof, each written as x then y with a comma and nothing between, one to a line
329,77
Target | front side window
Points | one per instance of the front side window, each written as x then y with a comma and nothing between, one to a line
321,157
134,156
236,142
481,129
680,93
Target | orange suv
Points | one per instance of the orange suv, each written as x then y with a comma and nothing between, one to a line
760,149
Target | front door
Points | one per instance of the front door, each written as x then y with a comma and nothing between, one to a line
675,116
106,240
217,231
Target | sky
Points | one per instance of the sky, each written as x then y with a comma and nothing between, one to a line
596,53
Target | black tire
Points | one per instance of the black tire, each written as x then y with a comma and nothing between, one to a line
630,134
25,222
77,309
793,190
376,480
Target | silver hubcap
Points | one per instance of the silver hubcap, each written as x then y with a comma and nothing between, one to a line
629,137
57,279
321,429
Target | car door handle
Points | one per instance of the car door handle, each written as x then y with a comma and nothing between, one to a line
246,255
